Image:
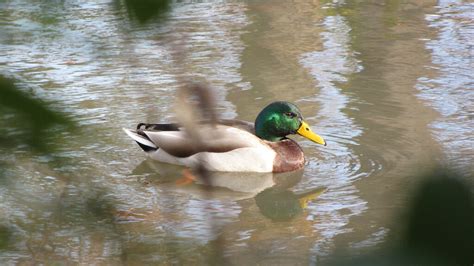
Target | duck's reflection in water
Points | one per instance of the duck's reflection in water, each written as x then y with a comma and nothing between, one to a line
269,190
251,213
281,204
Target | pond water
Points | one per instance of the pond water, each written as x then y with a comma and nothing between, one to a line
389,85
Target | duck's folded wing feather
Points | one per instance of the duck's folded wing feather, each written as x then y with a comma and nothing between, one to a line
240,124
212,139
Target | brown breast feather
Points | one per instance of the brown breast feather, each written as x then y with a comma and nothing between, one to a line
289,156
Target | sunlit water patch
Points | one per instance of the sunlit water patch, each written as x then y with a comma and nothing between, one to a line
341,166
91,57
451,93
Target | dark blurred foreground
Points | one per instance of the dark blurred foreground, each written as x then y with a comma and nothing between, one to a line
437,226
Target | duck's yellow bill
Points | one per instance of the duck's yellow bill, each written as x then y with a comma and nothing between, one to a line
306,132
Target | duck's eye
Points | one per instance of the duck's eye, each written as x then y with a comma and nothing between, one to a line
290,114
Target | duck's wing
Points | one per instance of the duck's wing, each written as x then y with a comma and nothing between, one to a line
218,138
236,123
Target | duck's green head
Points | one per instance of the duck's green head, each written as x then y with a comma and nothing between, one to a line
280,119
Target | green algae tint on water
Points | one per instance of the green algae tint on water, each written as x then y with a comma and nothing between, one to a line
389,86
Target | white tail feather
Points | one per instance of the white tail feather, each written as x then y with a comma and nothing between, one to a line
139,138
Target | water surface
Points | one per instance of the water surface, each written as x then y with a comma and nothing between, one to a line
387,84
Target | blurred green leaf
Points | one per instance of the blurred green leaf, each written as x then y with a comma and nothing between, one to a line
26,120
146,10
440,222
437,228
5,236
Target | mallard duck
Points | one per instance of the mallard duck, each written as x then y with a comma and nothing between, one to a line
232,145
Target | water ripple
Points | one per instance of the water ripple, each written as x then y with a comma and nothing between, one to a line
340,166
451,93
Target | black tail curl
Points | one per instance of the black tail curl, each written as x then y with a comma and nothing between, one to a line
157,127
